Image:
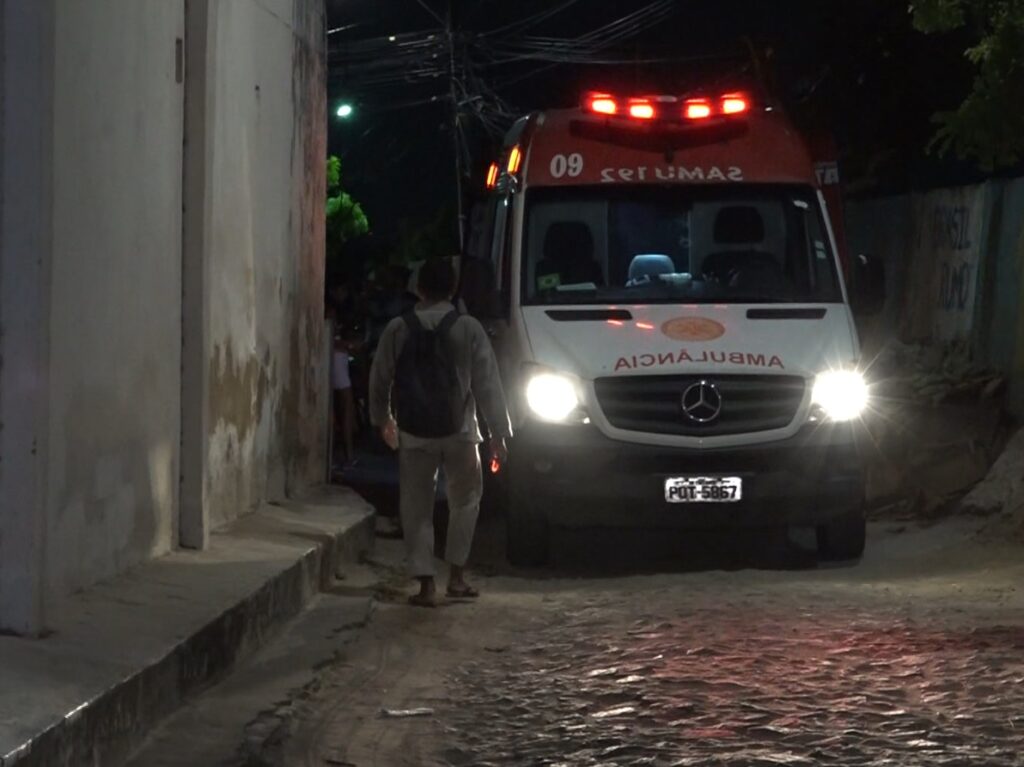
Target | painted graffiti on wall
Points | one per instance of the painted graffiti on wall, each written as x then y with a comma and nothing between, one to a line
955,287
951,233
944,264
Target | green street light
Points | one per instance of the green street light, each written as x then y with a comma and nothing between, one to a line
344,111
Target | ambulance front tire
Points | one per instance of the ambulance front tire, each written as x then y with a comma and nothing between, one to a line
526,526
843,538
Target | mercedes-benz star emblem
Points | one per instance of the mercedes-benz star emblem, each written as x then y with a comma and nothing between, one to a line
701,402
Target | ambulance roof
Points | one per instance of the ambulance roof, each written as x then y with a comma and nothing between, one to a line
569,147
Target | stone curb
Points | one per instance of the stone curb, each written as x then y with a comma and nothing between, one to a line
106,729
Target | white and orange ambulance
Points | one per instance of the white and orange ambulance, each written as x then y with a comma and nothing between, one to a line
674,328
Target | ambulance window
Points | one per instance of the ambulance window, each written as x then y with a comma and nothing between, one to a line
501,251
657,230
569,241
659,244
822,267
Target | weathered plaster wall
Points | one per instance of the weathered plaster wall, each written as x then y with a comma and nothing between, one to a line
267,147
1001,336
979,227
307,389
26,160
92,269
115,320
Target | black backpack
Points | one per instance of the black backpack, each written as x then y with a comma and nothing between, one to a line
428,399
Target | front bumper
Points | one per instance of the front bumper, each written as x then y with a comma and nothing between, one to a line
579,477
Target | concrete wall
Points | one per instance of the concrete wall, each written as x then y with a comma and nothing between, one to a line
26,163
140,239
975,234
1000,339
116,292
266,146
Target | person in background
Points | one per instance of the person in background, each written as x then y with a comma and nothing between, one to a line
438,366
344,402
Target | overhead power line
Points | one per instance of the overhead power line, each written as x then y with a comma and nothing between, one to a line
431,11
463,69
523,24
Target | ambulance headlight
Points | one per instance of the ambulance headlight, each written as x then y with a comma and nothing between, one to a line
551,396
841,394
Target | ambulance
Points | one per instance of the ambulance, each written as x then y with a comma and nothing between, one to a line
673,323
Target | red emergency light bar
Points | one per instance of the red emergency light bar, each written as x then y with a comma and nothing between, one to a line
697,109
665,107
734,104
642,109
602,104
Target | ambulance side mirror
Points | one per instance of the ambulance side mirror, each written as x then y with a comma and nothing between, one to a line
867,285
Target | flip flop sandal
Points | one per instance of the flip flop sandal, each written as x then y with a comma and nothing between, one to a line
466,592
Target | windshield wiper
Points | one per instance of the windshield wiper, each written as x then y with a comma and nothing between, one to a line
752,299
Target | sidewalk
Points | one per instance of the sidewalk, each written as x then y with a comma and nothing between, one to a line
126,653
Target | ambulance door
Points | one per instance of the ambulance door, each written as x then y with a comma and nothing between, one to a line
503,326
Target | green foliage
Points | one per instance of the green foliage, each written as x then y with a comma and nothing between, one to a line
988,126
938,15
345,217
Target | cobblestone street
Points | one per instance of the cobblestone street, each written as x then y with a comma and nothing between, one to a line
914,656
740,677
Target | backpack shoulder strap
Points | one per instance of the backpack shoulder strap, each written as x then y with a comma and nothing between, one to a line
447,322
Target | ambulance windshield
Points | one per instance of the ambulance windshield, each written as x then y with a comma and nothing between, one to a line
641,245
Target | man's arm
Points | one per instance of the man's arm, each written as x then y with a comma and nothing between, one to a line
486,384
382,376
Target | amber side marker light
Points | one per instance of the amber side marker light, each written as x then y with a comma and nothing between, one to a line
515,159
492,175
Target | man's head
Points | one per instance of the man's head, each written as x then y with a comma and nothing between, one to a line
436,280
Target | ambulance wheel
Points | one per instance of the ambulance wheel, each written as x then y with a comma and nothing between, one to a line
526,526
843,538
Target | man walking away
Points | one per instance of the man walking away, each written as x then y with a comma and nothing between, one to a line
437,366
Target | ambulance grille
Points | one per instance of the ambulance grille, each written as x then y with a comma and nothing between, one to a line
654,404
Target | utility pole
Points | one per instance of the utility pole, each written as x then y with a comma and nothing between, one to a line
456,143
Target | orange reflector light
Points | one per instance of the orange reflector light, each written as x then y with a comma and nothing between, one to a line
697,109
641,109
603,104
515,159
492,175
734,104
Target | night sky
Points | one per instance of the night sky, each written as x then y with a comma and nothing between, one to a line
855,69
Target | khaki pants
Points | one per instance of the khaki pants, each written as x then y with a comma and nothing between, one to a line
418,468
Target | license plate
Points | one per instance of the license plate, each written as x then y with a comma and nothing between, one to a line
703,489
